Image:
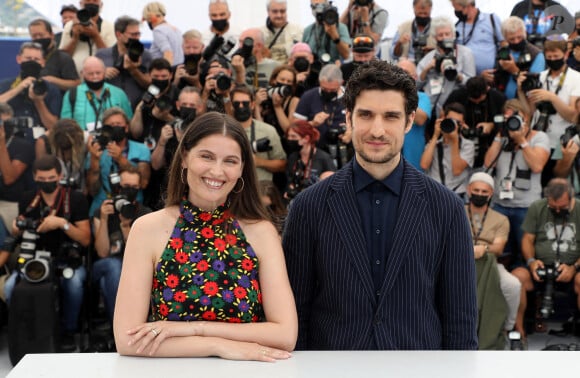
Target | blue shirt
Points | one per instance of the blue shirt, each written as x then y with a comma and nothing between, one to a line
479,37
538,65
320,43
415,139
378,203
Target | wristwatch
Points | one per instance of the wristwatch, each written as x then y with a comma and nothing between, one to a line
66,227
336,41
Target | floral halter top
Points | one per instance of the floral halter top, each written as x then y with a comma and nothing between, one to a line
208,271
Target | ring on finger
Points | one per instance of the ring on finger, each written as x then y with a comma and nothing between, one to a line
154,332
264,351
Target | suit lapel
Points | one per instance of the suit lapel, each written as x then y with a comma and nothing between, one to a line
346,217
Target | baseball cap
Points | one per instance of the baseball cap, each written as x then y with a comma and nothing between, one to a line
363,43
482,177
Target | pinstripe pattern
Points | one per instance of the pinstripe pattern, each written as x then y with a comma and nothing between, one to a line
428,298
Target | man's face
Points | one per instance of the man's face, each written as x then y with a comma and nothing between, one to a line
422,10
30,55
480,99
379,125
160,74
329,86
131,32
93,72
117,120
83,3
554,54
46,176
459,7
277,14
129,180
216,68
562,203
514,38
190,100
444,32
192,46
39,32
479,188
242,99
67,16
363,57
219,11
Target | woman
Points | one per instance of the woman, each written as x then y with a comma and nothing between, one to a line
275,106
306,164
207,260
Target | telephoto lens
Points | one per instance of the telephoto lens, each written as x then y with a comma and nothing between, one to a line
448,125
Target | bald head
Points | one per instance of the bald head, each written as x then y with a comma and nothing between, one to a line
93,69
408,67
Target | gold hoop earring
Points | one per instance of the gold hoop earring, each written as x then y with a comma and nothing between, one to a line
183,181
242,188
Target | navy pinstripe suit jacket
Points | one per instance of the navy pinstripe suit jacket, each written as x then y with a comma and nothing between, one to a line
428,296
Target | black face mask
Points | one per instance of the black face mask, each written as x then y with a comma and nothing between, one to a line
131,41
161,84
562,214
95,85
30,68
478,200
242,114
44,42
187,114
293,146
555,64
150,25
129,192
92,9
328,96
220,25
47,187
462,17
422,21
301,64
519,47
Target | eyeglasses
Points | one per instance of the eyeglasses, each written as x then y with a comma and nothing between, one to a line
134,35
245,104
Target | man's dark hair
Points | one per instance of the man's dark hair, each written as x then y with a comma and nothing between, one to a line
123,22
242,89
381,75
46,163
476,86
557,187
454,107
160,64
131,169
41,21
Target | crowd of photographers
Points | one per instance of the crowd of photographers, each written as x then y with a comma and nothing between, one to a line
92,121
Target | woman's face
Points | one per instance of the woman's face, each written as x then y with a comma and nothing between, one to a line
293,135
213,166
285,77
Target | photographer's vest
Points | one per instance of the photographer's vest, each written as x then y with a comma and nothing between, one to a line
410,27
502,77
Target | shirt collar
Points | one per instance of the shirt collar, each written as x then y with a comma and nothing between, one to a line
361,178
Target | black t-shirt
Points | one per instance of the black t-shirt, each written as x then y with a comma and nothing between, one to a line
79,210
321,162
21,150
61,65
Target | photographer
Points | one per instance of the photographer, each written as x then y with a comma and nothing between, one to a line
188,73
574,54
127,62
518,155
112,222
568,166
365,17
553,101
62,214
219,16
302,59
519,55
279,34
166,37
269,156
363,50
550,247
28,94
250,60
327,36
87,33
445,68
412,39
451,164
217,81
156,107
110,150
16,158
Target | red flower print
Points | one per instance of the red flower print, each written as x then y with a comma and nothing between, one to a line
210,288
247,264
209,315
240,292
155,283
202,266
220,244
227,214
205,216
179,296
172,280
217,221
231,239
234,320
255,284
176,243
260,297
181,257
163,309
207,232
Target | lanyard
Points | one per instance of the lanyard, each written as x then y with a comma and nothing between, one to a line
478,232
466,41
91,97
559,237
560,83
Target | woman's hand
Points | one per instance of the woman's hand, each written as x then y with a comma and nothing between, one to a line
151,335
243,351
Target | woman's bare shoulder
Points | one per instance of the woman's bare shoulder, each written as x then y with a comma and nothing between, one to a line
157,220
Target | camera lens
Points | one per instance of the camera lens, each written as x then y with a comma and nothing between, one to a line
36,270
448,125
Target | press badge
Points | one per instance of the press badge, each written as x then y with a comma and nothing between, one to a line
506,191
436,85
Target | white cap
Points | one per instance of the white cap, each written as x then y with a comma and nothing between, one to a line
482,177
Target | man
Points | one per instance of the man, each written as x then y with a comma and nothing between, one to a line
302,59
65,223
82,37
255,68
550,241
59,68
363,50
574,54
479,31
365,17
322,106
16,158
269,156
112,222
412,39
217,98
87,102
188,73
126,69
279,34
445,68
490,230
328,41
521,55
342,241
108,157
448,157
27,96
67,13
542,17
219,15
166,37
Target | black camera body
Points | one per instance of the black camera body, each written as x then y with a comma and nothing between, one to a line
261,145
418,43
531,82
326,13
246,50
281,90
548,274
333,134
472,132
223,81
17,125
134,50
150,95
503,53
33,264
123,206
40,87
571,133
84,17
297,180
191,63
446,62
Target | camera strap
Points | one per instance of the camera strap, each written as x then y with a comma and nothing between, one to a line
252,132
559,237
91,97
466,40
276,36
440,161
560,82
477,233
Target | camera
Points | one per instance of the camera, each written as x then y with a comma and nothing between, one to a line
190,63
123,206
84,16
245,51
39,87
503,53
531,82
281,90
419,42
448,125
223,81
471,132
114,183
134,50
363,3
546,109
261,145
150,95
33,264
571,133
524,62
537,40
106,134
17,125
549,274
576,42
447,62
164,103
333,134
297,182
69,182
326,13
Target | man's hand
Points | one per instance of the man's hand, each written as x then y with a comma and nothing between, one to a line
570,150
261,96
437,129
238,63
107,209
486,127
489,75
90,30
94,147
51,223
129,65
166,134
320,118
33,96
331,31
2,135
478,251
509,66
404,38
26,84
518,136
111,73
538,95
567,273
534,266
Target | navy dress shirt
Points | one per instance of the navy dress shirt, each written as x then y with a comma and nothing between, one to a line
378,203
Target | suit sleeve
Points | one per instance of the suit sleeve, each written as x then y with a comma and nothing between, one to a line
456,288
